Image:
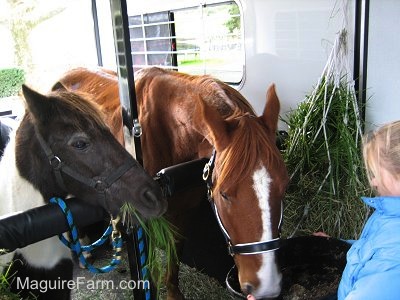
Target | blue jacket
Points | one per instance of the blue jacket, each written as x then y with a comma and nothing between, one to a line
373,262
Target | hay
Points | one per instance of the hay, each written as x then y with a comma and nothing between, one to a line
323,156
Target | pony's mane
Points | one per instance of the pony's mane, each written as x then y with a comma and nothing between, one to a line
101,87
77,109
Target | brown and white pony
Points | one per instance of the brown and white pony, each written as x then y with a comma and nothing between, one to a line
185,117
60,148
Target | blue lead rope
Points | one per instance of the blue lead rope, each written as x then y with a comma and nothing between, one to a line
143,258
78,249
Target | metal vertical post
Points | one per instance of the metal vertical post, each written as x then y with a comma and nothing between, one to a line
125,68
135,237
171,18
97,33
361,52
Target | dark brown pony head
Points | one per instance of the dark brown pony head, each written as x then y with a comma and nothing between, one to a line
249,178
74,130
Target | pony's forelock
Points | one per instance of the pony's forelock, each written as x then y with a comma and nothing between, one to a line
67,104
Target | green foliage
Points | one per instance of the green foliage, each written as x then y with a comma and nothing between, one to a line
23,17
11,81
5,293
234,22
323,156
160,235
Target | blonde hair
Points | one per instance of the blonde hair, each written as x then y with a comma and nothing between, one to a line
381,149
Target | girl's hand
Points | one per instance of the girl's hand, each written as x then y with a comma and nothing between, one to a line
320,233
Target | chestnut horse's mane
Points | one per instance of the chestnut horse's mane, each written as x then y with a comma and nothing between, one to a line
251,139
104,86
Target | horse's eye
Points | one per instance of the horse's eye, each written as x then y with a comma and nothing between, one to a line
80,144
225,196
79,141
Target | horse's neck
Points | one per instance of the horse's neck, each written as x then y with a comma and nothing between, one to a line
17,194
170,141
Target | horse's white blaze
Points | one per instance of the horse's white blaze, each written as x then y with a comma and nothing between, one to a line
269,276
17,194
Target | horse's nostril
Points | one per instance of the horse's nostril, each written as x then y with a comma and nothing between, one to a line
247,288
150,197
153,200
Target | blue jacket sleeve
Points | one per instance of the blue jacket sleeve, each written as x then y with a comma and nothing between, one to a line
382,286
351,242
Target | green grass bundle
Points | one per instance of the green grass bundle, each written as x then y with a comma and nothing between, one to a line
5,293
323,156
160,236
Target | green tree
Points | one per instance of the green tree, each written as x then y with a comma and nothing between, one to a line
22,19
234,22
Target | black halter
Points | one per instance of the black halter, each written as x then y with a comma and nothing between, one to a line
100,184
246,248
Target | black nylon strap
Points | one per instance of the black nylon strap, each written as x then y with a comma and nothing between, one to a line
119,172
254,248
54,161
87,181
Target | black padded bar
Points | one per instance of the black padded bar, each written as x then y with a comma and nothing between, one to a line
182,176
43,222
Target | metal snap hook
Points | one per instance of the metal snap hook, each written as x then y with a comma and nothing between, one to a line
206,172
115,232
137,128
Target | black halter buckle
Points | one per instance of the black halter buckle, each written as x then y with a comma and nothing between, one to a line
55,162
100,186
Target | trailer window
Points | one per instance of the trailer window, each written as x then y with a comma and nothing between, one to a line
205,39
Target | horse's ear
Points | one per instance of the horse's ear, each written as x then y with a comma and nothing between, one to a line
38,104
271,110
208,121
58,86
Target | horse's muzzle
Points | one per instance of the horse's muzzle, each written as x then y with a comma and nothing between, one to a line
153,200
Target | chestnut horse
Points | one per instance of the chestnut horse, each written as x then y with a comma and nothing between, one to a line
185,117
63,147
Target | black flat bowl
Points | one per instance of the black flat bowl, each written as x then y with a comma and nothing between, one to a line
311,268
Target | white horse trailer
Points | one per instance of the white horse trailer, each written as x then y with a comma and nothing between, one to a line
286,42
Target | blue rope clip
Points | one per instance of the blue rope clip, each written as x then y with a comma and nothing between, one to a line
78,249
